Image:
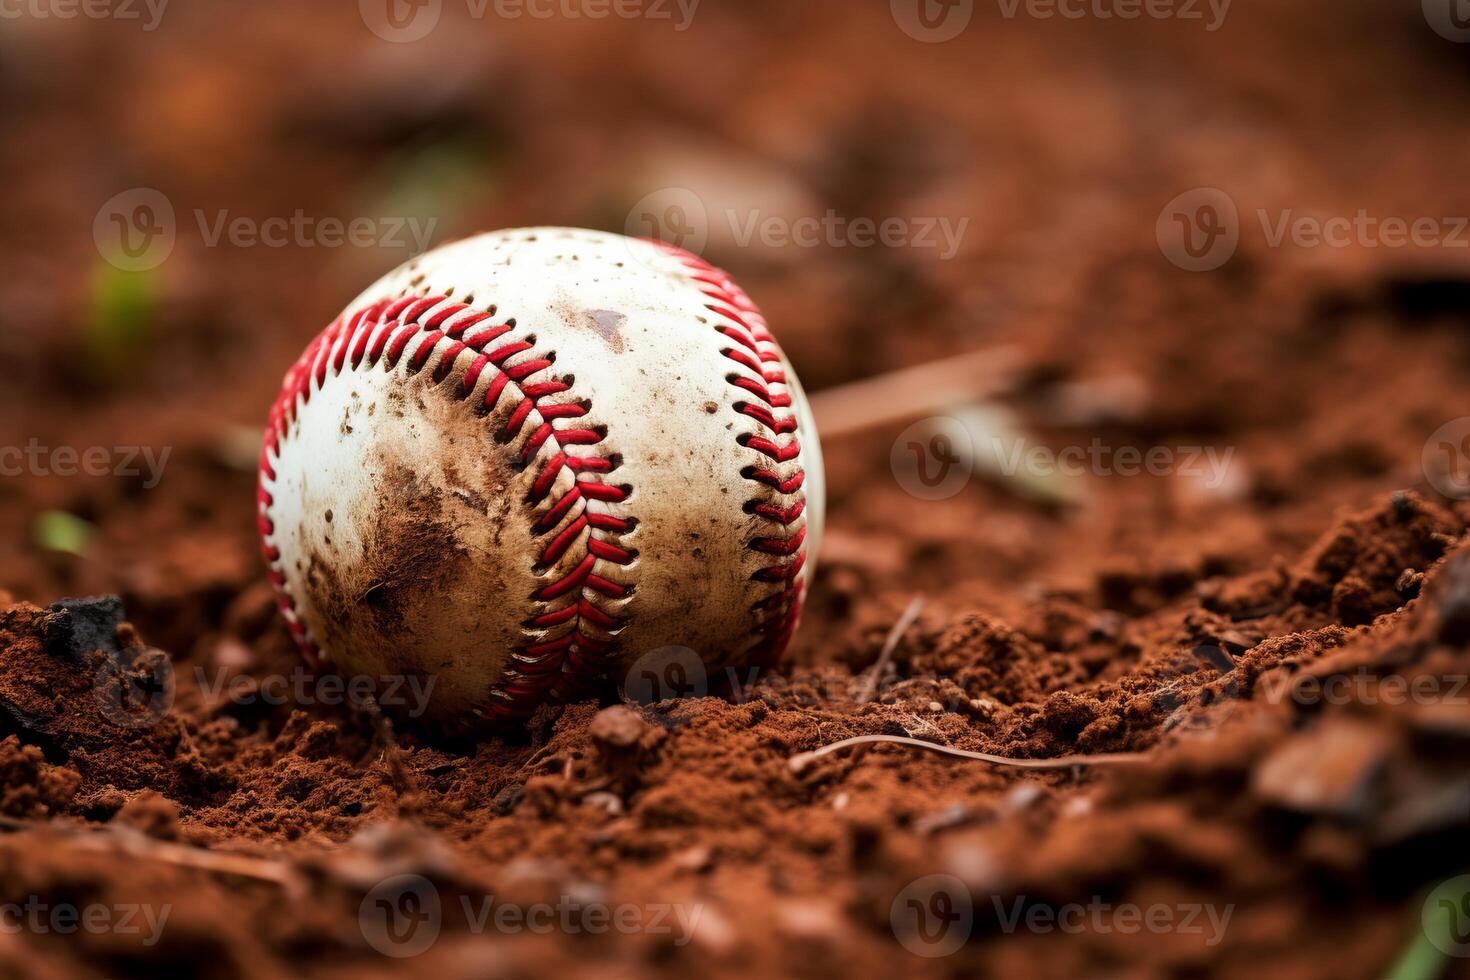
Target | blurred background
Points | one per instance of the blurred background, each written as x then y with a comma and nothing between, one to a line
1235,228
195,189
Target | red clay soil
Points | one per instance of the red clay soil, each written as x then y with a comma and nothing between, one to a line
1282,657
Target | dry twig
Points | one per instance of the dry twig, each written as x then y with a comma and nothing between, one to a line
915,392
890,643
799,762
137,845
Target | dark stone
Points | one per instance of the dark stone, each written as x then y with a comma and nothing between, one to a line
1454,605
505,801
77,628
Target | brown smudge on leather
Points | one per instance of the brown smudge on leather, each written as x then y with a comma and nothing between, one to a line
411,556
607,324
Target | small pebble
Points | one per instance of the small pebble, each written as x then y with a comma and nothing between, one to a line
617,728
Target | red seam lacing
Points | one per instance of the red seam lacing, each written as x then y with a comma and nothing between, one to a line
755,350
389,327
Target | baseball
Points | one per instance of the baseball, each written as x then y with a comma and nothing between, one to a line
521,461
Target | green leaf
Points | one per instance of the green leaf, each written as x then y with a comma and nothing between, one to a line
123,308
56,530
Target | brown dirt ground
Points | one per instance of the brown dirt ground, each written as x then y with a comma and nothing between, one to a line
1046,630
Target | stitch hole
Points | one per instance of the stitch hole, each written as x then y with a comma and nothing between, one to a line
446,367
750,505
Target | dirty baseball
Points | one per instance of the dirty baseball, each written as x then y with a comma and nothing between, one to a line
523,460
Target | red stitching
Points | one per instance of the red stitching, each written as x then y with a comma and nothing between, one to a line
381,332
758,356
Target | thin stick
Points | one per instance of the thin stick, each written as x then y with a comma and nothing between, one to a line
801,761
135,844
915,392
890,643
